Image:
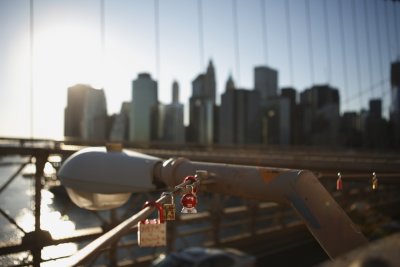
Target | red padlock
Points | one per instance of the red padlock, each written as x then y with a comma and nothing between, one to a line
339,182
189,202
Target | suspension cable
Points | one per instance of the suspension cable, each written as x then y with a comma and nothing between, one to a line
310,45
378,39
368,44
31,51
358,65
289,38
342,42
264,30
201,34
157,38
328,43
236,37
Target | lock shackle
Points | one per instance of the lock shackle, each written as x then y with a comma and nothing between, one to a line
170,194
159,208
193,180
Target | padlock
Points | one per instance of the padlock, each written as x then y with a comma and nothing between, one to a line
339,182
189,202
169,208
152,232
374,181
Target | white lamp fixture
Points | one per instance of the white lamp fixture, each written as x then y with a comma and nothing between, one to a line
97,179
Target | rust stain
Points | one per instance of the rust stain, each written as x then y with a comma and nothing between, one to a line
268,174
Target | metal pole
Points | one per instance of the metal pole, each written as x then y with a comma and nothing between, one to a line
38,243
325,219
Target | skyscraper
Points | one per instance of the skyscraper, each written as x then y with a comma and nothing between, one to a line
95,115
73,113
395,105
201,108
173,128
120,128
239,119
320,115
266,82
144,101
86,113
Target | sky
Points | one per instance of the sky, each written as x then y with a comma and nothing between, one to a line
346,43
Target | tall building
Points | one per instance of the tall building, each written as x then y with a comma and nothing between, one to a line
95,116
120,127
174,128
320,115
276,127
86,113
376,128
291,94
239,116
395,105
144,101
266,82
73,113
202,115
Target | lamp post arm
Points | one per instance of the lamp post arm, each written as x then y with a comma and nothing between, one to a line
325,219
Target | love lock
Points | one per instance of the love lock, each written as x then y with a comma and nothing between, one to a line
169,208
152,232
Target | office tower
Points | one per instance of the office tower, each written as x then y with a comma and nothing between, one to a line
276,127
173,127
202,108
95,115
395,104
376,128
350,129
320,115
86,113
291,95
239,119
120,128
73,113
266,82
144,101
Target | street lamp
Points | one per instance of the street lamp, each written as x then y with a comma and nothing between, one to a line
99,179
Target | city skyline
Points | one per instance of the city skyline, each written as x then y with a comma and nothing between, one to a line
130,33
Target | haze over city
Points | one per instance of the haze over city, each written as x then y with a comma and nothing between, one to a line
174,40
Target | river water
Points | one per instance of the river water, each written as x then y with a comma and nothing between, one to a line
17,200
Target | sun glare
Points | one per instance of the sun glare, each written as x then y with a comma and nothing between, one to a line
67,54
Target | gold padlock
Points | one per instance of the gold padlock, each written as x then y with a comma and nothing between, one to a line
169,208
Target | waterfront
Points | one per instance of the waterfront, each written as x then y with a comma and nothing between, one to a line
17,202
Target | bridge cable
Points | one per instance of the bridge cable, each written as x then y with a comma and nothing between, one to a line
310,45
378,39
102,37
368,43
289,38
388,32
327,40
342,39
157,39
396,29
357,51
201,33
236,39
264,30
31,66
